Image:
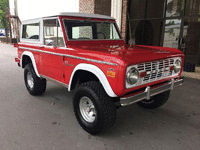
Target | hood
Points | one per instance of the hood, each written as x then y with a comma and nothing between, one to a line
140,54
128,54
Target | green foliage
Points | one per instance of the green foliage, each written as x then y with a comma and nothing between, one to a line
1,26
4,22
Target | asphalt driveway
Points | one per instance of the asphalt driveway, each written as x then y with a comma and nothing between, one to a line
48,121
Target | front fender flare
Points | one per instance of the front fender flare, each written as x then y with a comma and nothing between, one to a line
31,56
99,74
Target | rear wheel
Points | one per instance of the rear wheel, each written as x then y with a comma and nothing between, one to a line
34,84
94,109
156,101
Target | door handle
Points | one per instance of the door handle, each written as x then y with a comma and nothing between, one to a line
41,47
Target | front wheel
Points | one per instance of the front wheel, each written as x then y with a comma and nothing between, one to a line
94,109
155,101
34,84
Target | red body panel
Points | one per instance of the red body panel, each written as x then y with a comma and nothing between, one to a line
60,64
125,56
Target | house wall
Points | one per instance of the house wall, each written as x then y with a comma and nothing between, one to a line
86,6
102,7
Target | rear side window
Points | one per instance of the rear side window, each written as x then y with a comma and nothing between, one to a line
31,31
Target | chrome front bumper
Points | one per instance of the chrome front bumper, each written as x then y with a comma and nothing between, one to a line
148,92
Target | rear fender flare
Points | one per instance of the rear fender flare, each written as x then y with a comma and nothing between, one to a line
31,56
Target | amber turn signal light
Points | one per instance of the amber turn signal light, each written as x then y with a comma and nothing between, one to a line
111,74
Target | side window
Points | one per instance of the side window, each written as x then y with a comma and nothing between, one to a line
31,31
53,35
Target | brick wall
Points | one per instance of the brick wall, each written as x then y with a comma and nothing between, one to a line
103,7
86,6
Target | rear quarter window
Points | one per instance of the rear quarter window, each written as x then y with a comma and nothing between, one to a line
31,31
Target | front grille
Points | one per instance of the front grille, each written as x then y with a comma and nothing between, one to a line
155,70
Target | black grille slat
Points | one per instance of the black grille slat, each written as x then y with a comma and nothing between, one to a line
141,67
159,74
171,61
147,77
166,63
148,66
161,65
154,65
153,75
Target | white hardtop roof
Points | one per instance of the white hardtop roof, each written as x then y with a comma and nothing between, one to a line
73,14
87,15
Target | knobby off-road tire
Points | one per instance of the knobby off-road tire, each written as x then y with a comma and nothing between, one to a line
156,101
94,109
34,84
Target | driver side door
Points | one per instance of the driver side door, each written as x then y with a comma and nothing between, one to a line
52,62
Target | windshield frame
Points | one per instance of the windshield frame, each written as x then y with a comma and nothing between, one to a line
91,20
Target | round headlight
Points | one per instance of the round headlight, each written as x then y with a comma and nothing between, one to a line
132,76
177,66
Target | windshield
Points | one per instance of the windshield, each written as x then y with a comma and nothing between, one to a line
91,30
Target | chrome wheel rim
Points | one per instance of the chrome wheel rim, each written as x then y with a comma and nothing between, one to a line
30,80
87,109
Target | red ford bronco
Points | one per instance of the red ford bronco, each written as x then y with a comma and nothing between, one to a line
85,53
